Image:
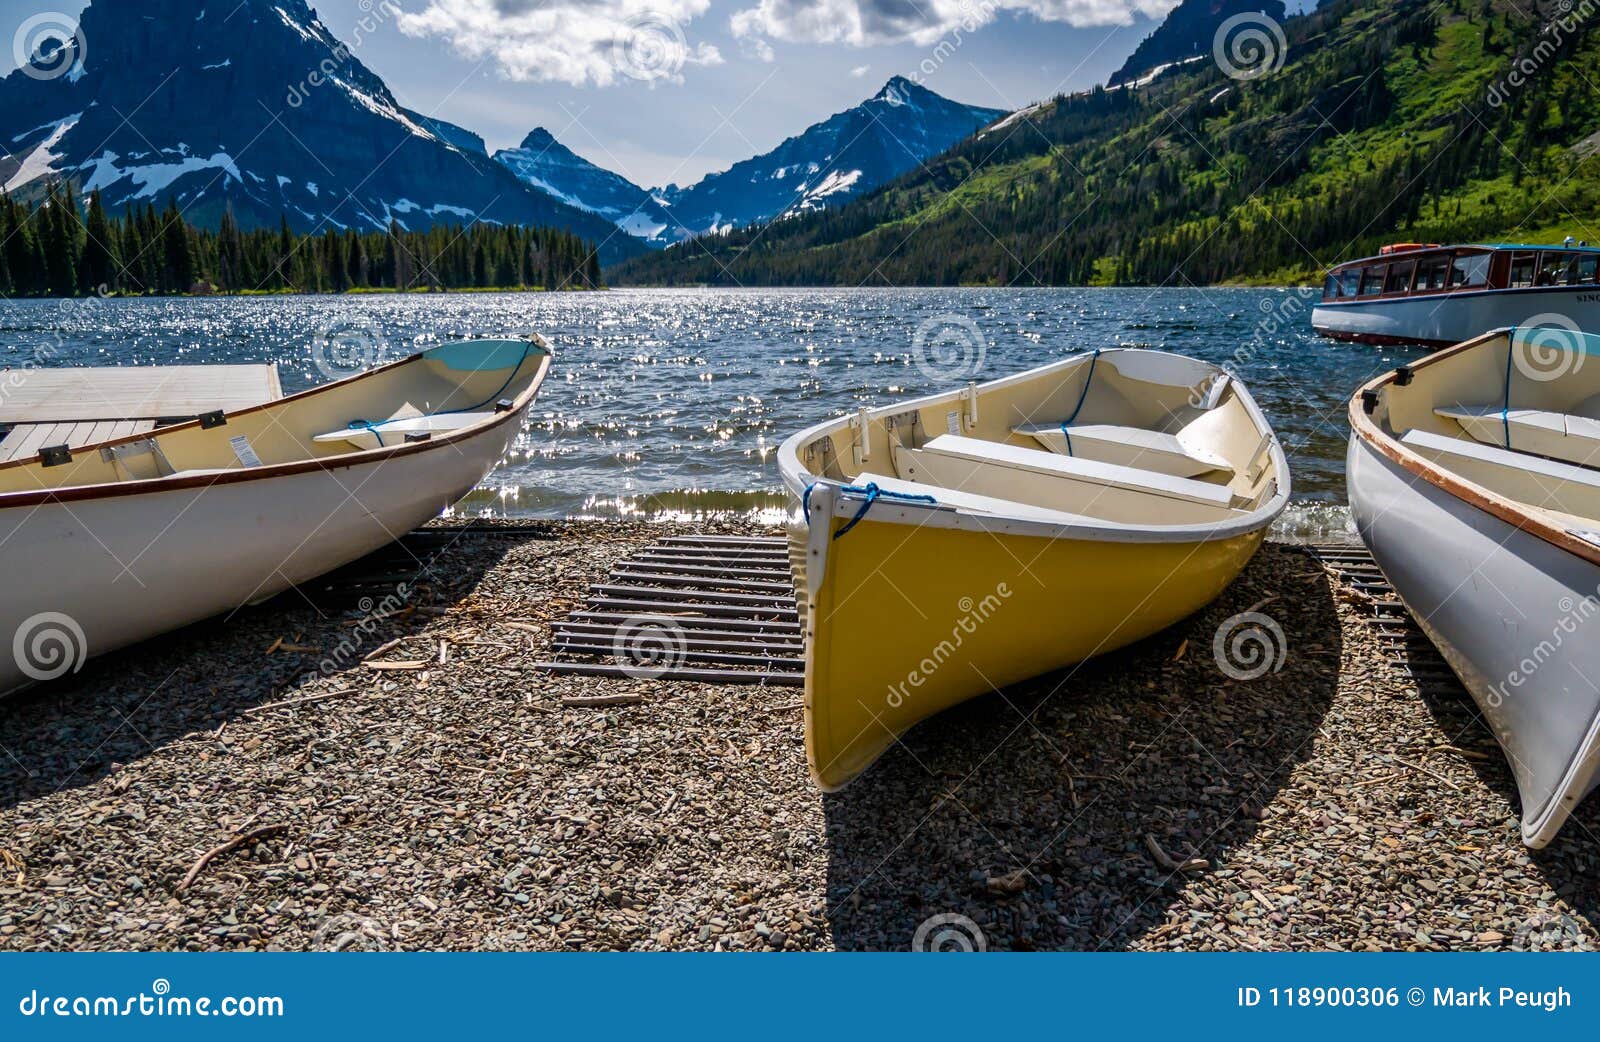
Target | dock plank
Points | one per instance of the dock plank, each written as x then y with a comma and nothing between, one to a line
135,392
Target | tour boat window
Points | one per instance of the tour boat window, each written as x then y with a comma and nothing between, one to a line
1350,282
1432,272
1470,271
1558,269
1586,268
1330,288
1399,280
1372,279
1522,269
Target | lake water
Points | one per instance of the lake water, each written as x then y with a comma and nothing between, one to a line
671,403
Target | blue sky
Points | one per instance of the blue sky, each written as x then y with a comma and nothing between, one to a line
669,90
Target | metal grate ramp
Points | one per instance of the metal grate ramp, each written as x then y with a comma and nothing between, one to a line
714,609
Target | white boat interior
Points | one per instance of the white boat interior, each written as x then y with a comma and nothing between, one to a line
1120,436
450,388
1518,415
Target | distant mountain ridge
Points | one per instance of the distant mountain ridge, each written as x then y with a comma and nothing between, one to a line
546,164
256,106
1373,121
829,162
1189,31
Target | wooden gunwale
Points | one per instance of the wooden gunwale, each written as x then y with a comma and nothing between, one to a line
1518,515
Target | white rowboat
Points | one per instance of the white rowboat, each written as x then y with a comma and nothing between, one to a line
112,543
1473,479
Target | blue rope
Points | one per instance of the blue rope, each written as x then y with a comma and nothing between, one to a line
1511,350
1081,399
871,493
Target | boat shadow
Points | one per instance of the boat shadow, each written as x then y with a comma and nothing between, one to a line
1056,814
185,686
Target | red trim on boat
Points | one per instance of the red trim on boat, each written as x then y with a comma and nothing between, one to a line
1379,339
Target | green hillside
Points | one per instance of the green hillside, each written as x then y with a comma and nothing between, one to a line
1387,120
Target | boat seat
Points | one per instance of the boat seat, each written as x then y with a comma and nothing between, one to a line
1107,491
1561,436
1129,447
971,503
365,435
1545,483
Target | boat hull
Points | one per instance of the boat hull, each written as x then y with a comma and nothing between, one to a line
905,619
126,567
1452,318
1505,609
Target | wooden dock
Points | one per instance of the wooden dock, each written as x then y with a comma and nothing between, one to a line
84,405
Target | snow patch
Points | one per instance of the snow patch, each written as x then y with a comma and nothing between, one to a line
41,161
153,177
836,181
641,225
46,126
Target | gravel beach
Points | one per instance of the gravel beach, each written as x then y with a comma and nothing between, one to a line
256,783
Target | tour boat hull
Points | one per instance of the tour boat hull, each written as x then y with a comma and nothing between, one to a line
1439,321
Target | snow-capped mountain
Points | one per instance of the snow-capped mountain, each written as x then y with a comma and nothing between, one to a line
549,166
252,104
846,154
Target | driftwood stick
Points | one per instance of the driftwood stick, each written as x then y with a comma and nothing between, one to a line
381,648
300,701
582,701
232,844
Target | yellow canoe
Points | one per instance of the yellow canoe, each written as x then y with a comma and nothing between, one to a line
952,545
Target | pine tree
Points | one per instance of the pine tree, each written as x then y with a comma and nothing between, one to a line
98,271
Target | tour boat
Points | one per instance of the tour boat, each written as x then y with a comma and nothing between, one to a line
107,544
1424,293
949,546
1473,479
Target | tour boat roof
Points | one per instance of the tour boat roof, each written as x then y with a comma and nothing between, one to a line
1384,258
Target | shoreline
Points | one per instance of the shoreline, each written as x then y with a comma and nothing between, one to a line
467,806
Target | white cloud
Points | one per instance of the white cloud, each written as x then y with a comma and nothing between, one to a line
570,41
863,23
860,71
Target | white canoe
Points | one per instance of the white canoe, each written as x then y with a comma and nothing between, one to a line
110,544
1472,478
